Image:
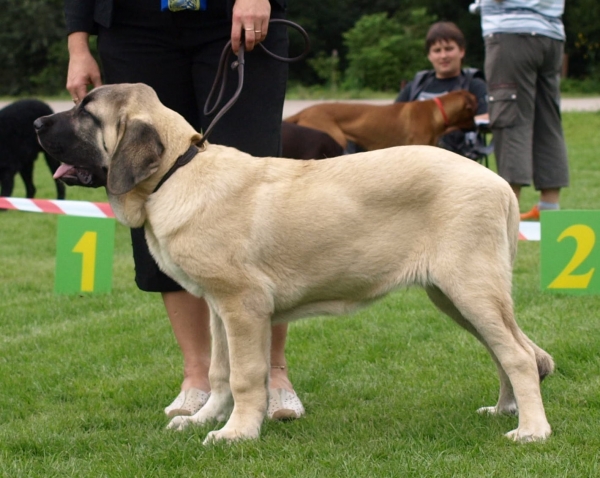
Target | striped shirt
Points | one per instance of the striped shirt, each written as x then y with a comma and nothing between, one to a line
537,17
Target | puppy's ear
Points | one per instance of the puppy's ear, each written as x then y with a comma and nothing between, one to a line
136,158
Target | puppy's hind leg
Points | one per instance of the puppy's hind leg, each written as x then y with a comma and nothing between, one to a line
489,311
506,400
220,403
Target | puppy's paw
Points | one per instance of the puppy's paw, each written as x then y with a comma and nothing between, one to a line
218,408
229,436
204,415
523,435
179,423
510,409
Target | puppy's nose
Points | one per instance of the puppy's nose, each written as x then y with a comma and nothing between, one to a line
40,124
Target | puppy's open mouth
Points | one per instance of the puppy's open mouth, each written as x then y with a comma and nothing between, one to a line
76,176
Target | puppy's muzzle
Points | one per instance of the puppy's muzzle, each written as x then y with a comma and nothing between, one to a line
70,174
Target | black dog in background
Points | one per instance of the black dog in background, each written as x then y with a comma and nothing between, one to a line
19,147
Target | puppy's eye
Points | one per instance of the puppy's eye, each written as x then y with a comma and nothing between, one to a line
87,114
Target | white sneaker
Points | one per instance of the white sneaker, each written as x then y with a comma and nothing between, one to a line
187,403
284,405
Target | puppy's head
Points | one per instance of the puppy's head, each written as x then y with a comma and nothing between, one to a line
110,139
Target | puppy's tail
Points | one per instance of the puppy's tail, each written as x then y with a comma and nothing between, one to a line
545,362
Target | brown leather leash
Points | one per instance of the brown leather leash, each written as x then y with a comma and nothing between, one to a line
221,78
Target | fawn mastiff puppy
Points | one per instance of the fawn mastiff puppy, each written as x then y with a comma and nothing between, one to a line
269,239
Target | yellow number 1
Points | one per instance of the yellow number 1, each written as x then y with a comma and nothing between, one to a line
87,248
585,238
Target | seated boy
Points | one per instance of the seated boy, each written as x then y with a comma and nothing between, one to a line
445,45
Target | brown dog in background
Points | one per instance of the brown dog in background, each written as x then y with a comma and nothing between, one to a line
376,127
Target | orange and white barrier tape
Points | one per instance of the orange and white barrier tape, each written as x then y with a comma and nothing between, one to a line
528,231
58,206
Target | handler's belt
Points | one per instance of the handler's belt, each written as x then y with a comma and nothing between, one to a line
182,5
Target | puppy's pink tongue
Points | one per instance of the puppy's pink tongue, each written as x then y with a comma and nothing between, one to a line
62,170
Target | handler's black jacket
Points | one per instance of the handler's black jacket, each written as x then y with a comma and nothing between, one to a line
85,15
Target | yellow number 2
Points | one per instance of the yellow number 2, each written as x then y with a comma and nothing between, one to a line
87,248
585,238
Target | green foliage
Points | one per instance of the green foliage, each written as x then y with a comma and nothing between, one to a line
383,50
325,21
587,86
327,68
53,77
34,58
29,29
583,38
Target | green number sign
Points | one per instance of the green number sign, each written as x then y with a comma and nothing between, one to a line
84,254
570,253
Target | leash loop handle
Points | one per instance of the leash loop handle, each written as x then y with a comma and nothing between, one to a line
239,66
302,32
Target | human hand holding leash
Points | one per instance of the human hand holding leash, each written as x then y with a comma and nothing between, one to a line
252,18
83,69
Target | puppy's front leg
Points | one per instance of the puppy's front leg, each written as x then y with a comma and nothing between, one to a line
220,403
248,336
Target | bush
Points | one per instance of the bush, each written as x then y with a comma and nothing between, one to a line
28,29
384,50
53,78
327,68
588,86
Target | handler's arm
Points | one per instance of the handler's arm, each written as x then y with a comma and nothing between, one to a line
83,69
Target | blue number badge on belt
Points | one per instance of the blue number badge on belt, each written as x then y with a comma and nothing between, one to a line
181,5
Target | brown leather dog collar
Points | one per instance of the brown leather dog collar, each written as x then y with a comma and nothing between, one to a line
182,160
440,106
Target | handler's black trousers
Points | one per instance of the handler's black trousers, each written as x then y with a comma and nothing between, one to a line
177,54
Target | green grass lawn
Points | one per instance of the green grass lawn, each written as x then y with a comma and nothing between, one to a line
389,392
